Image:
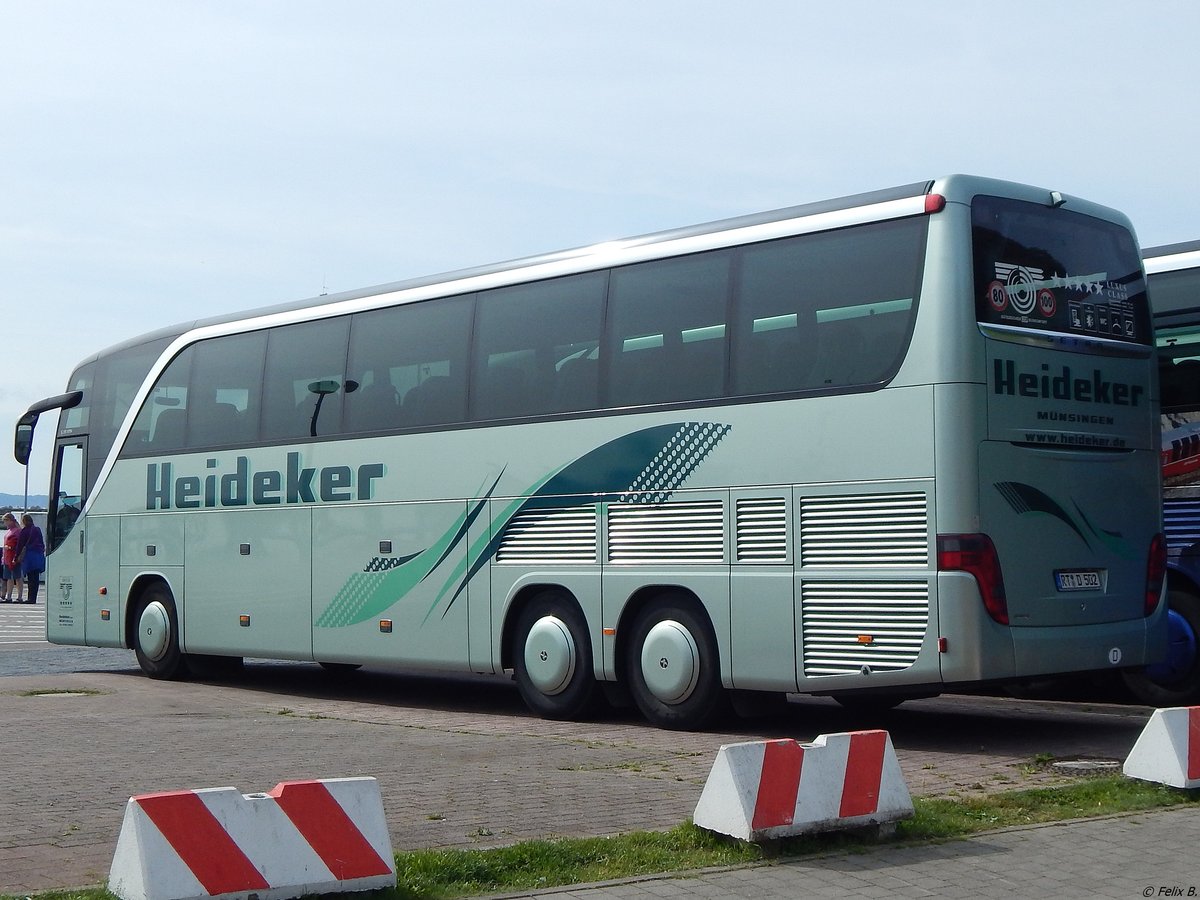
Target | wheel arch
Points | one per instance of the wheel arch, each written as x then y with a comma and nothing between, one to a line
142,583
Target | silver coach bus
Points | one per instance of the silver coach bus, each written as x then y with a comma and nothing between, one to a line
868,448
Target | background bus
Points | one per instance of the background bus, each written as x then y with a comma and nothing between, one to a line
1173,273
866,448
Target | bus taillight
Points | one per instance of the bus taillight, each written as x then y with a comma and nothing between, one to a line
976,555
1156,571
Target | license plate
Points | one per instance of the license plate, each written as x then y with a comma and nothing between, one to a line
1078,581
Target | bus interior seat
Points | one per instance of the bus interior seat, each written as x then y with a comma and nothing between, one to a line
214,423
782,360
168,428
503,393
426,403
377,405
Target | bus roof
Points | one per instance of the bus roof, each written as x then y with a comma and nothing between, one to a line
1170,249
848,202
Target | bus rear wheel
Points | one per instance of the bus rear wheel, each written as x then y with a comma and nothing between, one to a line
156,634
1176,680
552,657
672,665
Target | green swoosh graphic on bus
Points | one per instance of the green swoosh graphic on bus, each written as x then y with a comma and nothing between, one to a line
644,467
1025,498
382,582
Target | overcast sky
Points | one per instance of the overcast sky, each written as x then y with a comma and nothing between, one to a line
166,160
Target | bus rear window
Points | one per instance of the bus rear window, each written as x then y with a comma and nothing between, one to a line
1053,270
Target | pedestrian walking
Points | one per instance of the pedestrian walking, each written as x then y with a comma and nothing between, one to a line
31,555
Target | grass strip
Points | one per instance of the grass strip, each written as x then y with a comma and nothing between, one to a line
530,865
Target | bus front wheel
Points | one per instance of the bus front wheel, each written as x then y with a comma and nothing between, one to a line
552,657
156,635
672,665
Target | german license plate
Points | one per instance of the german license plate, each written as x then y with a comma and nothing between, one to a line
1078,581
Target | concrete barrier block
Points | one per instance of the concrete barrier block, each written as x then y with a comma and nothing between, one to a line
762,790
303,837
1168,749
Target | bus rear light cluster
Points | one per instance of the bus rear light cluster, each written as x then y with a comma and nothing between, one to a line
1156,571
934,203
976,555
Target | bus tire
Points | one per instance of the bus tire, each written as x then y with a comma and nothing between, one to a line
552,657
1176,681
156,634
672,665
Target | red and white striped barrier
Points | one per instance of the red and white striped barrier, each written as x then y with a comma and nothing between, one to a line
773,789
1168,749
304,837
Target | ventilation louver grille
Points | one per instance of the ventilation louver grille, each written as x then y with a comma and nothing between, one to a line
762,530
673,532
849,625
550,536
869,530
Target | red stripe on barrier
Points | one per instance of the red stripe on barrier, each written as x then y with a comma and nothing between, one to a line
328,830
778,785
204,846
864,772
1193,751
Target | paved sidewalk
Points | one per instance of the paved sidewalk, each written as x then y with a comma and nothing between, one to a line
1142,855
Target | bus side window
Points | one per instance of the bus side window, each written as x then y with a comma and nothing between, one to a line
162,420
521,336
303,385
222,397
417,355
666,330
775,335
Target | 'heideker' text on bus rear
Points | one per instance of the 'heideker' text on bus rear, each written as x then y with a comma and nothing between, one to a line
263,487
1064,385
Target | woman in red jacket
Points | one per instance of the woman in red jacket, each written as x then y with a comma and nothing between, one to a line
12,572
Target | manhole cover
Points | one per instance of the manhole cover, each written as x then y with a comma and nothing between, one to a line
1088,765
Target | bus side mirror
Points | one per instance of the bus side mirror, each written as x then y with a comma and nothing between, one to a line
23,439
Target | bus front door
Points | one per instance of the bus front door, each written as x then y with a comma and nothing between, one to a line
65,572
